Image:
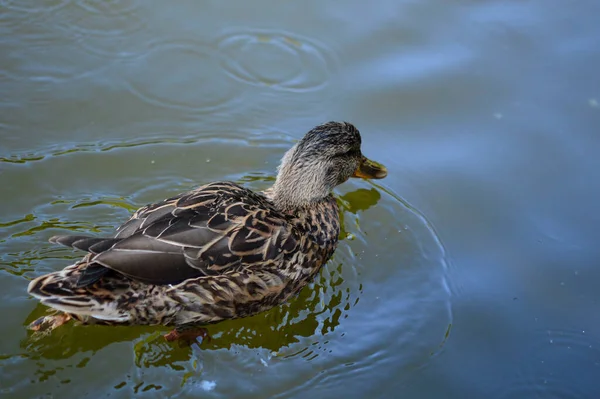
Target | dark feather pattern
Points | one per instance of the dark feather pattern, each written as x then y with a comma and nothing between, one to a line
218,252
90,274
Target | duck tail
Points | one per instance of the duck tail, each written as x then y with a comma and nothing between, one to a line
60,290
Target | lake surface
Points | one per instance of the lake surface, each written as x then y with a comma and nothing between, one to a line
472,271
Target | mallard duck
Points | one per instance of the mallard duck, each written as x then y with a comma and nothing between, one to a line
218,252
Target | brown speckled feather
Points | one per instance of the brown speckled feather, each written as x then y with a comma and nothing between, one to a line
218,228
215,253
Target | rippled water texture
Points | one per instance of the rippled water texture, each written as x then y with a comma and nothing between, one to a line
470,272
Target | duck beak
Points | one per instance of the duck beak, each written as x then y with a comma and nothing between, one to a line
368,169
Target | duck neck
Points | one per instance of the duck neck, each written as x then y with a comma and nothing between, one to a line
300,183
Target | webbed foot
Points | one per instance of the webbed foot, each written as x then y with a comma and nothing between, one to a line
49,323
187,334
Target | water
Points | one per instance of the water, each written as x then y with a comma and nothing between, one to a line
470,271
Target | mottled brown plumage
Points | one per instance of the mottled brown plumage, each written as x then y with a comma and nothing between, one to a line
215,253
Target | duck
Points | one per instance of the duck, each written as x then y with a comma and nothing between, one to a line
217,252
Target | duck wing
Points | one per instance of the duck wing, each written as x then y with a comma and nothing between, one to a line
218,228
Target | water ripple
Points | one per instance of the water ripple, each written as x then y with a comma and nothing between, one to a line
102,146
563,364
47,60
34,6
27,218
26,262
55,223
109,7
184,75
417,306
351,321
106,19
48,57
112,29
24,248
279,60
